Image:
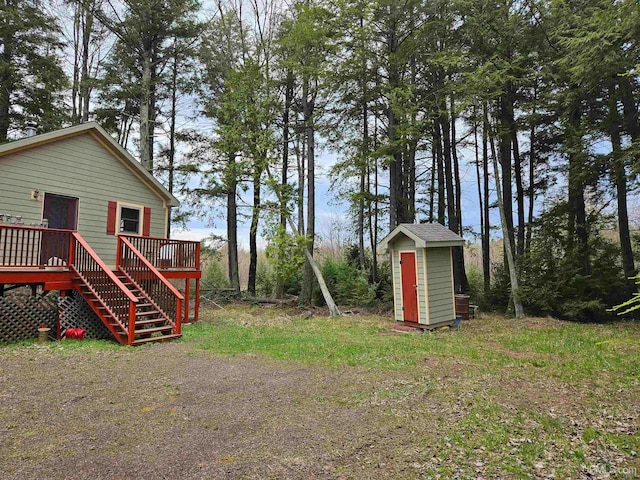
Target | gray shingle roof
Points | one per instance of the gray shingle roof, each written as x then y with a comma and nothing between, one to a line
432,232
424,235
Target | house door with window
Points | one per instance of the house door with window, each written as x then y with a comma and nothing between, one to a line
61,211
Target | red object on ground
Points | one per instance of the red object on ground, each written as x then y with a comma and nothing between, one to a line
77,333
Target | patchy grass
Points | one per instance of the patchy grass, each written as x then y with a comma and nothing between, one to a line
537,397
254,392
560,349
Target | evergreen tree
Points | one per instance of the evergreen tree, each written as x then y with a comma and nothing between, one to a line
31,78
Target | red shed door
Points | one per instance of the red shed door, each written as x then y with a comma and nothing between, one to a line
409,286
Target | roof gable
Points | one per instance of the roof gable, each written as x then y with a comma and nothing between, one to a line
424,235
107,141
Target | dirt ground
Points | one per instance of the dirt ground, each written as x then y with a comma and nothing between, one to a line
177,411
171,412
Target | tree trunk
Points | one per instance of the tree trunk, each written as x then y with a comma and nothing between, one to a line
172,134
146,156
6,85
302,164
76,103
459,271
85,87
364,157
486,237
517,166
532,171
253,231
440,170
620,177
577,235
306,295
232,224
288,99
508,248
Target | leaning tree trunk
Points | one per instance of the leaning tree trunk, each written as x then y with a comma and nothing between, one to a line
508,248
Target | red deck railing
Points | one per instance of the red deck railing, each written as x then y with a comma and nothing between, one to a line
34,247
158,289
104,284
165,253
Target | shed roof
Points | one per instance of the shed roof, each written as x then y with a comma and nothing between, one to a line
425,235
106,140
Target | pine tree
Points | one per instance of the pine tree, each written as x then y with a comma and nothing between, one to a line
31,78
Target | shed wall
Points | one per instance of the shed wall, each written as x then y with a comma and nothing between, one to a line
440,287
79,167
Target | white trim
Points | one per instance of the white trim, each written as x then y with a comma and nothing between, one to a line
415,259
131,206
453,283
426,287
393,283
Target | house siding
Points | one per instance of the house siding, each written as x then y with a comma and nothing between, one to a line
440,285
81,167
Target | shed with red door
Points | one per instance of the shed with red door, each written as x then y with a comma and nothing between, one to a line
422,273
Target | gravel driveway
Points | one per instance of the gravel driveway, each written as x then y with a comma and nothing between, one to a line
168,411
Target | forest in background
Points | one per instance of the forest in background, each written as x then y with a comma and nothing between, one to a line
230,101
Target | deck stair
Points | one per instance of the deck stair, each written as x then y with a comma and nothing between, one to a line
124,299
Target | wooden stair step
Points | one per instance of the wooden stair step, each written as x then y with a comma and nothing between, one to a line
145,331
146,314
149,320
162,338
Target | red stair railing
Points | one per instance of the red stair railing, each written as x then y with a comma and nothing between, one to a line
166,297
115,297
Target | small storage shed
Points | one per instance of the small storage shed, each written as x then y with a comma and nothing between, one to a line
422,273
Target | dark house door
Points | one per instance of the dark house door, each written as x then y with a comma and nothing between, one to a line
61,211
409,286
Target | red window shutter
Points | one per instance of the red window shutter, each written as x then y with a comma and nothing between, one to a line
146,224
112,211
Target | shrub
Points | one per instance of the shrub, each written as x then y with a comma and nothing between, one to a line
265,279
215,275
347,284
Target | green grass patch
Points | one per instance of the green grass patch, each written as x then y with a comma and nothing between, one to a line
558,349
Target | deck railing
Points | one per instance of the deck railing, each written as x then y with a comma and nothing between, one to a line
158,289
34,247
104,284
165,253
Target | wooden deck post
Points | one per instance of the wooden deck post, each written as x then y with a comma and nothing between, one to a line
187,286
197,307
132,323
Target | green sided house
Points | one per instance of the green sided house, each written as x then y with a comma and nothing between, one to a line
422,273
79,213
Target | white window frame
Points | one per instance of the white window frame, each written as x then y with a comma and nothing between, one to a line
131,206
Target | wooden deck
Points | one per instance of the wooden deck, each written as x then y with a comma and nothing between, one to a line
62,260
